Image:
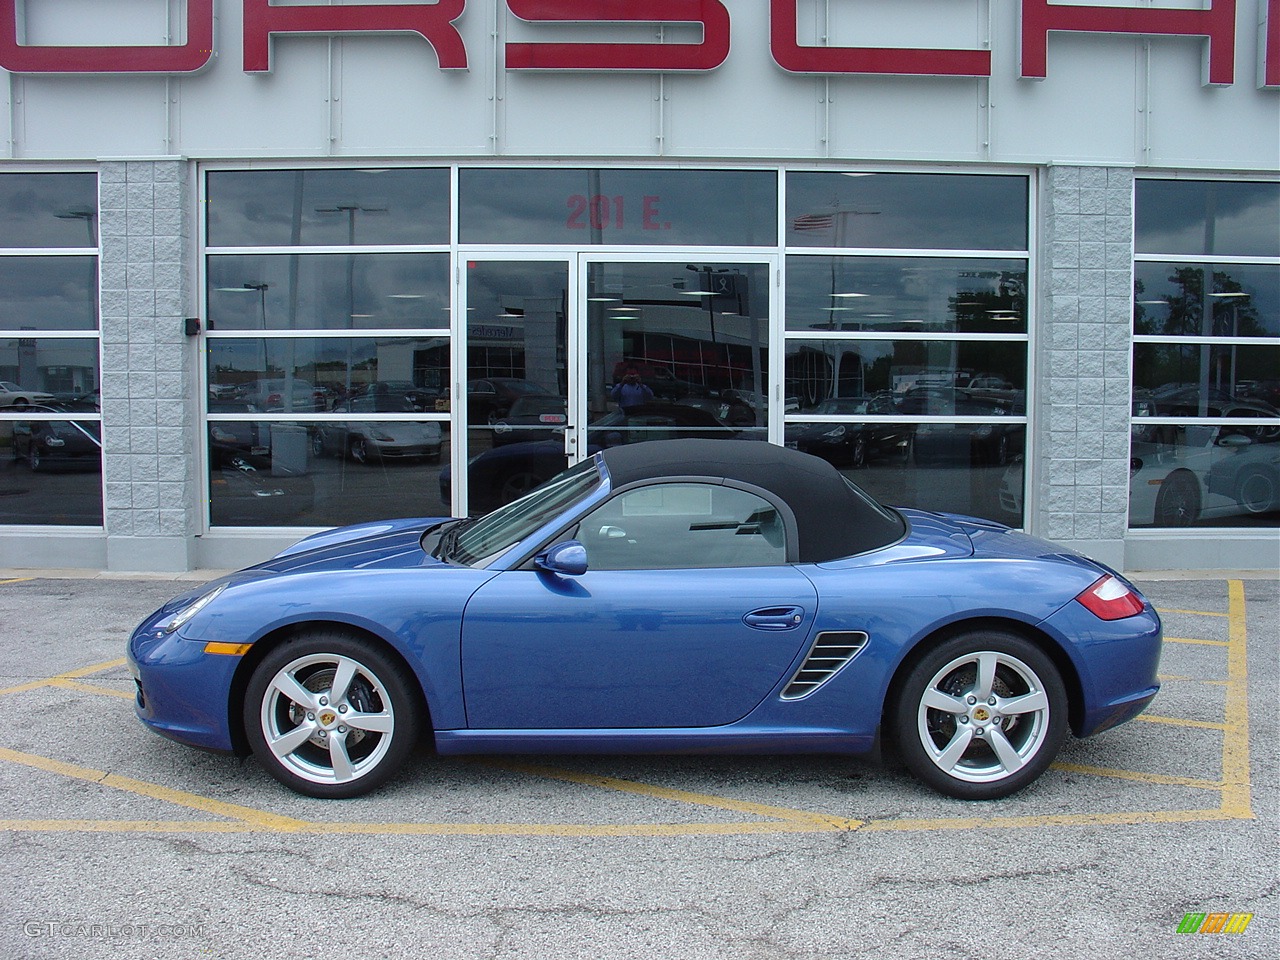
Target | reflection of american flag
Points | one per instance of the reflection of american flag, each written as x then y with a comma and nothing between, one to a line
813,221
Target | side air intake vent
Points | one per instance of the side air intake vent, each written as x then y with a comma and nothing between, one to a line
829,653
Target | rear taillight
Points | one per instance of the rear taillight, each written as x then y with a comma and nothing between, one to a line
1111,599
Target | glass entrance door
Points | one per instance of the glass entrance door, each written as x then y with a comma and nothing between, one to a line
565,356
675,349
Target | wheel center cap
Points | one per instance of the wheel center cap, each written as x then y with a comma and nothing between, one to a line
327,718
981,714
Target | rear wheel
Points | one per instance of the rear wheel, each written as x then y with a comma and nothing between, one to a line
1178,502
981,716
330,716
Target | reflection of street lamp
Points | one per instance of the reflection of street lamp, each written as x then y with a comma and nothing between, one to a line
351,209
261,289
89,217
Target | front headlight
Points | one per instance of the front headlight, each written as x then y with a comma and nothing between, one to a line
835,434
180,617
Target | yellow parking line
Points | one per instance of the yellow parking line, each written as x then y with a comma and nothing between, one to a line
152,790
679,796
1180,722
1197,613
69,675
1202,643
15,580
90,688
1051,820
1156,778
1237,795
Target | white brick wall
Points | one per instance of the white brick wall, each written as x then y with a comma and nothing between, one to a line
1083,362
149,403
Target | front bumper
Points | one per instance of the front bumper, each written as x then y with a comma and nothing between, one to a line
182,692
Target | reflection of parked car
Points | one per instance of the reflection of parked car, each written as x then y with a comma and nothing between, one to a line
1212,471
383,440
656,421
389,394
853,444
12,395
274,396
490,398
535,417
997,441
48,443
235,438
664,384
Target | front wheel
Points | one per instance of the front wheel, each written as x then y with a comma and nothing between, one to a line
331,716
981,716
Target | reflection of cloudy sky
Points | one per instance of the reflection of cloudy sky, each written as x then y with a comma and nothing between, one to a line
532,206
897,210
48,293
890,292
30,205
1261,282
287,207
1171,217
50,353
302,356
389,290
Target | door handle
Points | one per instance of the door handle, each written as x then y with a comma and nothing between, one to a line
570,440
775,618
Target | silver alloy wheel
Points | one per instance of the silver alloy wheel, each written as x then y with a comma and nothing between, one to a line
327,718
983,717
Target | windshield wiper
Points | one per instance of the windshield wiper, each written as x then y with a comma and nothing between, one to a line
449,539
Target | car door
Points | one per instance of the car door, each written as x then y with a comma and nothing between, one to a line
688,616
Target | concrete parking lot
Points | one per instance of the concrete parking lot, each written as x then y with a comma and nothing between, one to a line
119,844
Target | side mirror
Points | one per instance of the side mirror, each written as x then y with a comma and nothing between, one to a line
1234,440
568,559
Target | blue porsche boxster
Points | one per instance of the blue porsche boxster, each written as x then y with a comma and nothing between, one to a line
664,597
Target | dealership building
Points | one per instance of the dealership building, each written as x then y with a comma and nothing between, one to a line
272,267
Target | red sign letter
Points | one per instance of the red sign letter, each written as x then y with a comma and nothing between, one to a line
656,57
188,58
432,21
1269,45
789,55
1217,23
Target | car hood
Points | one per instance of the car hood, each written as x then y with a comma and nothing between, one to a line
386,544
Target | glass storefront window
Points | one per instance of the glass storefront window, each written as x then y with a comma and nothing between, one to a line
923,377
50,411
589,206
277,474
313,208
316,374
48,210
328,291
907,211
903,294
48,293
1221,218
1171,300
1206,400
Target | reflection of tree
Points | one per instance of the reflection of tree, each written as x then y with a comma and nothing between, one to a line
1231,309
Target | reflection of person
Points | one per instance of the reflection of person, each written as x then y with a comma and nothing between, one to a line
631,391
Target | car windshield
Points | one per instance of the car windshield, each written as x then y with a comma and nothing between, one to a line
498,531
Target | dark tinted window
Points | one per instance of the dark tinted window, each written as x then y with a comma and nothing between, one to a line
1210,217
901,210
48,210
328,207
581,206
1171,299
889,294
328,291
48,293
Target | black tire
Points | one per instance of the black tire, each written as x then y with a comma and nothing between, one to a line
974,743
1178,502
359,450
858,453
317,444
330,746
34,460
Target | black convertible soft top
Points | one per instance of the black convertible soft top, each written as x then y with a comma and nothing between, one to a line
834,518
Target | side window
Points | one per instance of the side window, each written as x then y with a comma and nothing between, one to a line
676,525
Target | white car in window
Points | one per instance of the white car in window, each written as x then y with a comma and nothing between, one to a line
12,395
